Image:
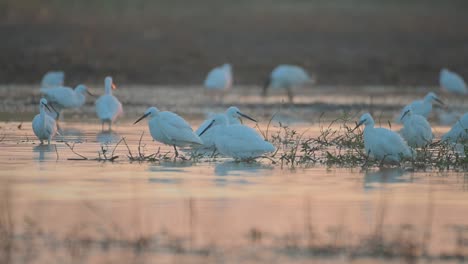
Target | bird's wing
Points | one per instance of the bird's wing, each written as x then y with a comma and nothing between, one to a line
176,128
53,79
108,106
217,78
60,95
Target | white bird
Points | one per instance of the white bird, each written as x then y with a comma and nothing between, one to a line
108,107
53,79
63,97
233,115
452,82
219,79
170,129
383,144
287,77
422,107
237,141
459,131
43,125
416,130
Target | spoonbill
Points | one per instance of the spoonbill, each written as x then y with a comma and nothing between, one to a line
459,131
452,82
170,129
237,141
53,79
43,125
416,130
233,115
287,77
219,79
383,144
63,97
422,107
108,107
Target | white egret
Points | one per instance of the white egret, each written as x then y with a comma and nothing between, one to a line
452,82
416,130
43,125
108,107
459,131
287,77
237,141
422,107
233,115
170,129
63,97
219,80
53,79
383,144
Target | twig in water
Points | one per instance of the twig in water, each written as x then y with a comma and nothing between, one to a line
74,152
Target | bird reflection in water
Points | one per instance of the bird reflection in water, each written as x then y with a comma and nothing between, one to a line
108,137
384,176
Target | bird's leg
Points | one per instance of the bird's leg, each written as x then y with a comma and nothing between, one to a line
42,142
213,154
176,152
48,141
367,159
382,161
290,95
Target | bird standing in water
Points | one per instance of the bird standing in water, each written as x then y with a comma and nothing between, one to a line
108,107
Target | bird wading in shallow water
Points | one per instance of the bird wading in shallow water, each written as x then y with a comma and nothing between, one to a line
422,107
459,131
383,144
233,115
287,77
219,80
416,130
108,107
43,125
170,129
237,141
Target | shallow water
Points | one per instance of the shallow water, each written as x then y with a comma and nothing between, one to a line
60,209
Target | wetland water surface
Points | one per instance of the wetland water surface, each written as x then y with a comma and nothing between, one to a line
56,209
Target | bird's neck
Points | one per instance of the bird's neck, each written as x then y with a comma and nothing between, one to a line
108,89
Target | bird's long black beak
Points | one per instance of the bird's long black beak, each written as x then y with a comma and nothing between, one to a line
53,108
439,101
142,117
265,86
246,116
88,92
208,127
358,125
46,106
404,114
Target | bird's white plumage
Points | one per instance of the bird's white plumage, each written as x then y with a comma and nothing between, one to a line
383,144
65,97
421,107
233,118
108,107
219,78
238,141
452,82
459,131
416,130
44,126
288,76
53,79
171,129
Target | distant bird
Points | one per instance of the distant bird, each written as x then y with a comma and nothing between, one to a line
43,125
416,130
170,129
63,97
459,131
422,107
219,80
53,79
452,82
233,115
287,77
383,144
108,107
237,141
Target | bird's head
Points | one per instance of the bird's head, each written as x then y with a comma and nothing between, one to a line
407,112
234,112
433,97
83,89
151,112
366,119
109,84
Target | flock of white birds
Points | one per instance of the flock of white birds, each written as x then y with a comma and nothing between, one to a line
225,134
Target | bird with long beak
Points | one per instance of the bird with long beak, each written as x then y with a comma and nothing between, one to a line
237,141
43,125
108,107
170,129
233,115
422,107
383,144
